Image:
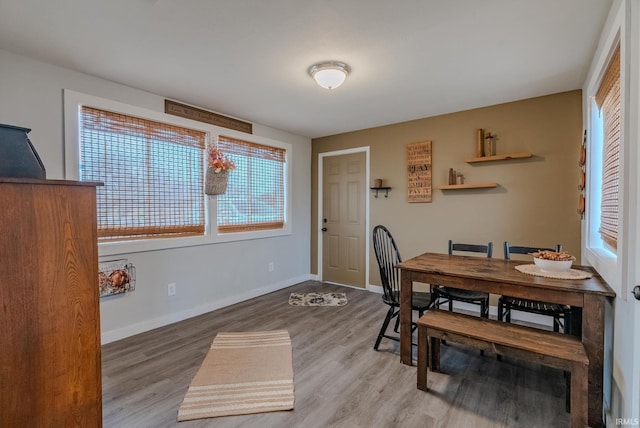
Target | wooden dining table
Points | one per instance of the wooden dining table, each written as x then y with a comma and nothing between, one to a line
587,297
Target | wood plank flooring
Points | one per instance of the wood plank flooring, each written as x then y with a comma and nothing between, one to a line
340,381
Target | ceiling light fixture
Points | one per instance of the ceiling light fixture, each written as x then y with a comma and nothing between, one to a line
329,74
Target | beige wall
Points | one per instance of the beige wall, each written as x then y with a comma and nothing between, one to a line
535,201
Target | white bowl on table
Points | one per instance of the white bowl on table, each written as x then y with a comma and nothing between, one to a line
553,265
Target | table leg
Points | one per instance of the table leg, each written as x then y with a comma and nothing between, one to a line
593,340
575,325
406,290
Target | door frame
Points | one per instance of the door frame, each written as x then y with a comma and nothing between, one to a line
321,156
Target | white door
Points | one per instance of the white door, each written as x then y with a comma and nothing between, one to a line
625,392
344,240
626,362
625,400
629,335
622,358
626,342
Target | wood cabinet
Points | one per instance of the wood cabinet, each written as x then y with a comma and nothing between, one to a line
50,367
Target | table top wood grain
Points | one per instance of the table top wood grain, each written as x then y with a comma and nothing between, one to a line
502,271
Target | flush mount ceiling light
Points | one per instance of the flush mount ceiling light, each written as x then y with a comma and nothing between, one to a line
329,74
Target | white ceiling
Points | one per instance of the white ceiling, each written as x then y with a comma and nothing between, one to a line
248,58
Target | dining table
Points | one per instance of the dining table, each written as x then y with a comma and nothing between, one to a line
587,297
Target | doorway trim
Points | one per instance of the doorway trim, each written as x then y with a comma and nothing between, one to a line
319,226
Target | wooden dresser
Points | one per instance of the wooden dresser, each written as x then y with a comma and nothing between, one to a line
50,367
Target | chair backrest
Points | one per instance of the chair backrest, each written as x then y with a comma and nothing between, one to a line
471,248
388,256
517,249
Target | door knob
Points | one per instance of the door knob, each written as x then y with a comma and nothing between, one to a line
636,292
324,229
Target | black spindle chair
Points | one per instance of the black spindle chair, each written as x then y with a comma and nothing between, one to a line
561,314
442,294
388,257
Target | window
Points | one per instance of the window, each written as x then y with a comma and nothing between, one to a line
609,104
255,197
152,174
153,167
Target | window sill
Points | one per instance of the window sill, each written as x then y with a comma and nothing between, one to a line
106,249
604,262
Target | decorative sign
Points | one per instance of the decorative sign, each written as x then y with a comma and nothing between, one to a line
419,172
183,110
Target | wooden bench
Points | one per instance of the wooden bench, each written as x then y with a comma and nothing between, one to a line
540,346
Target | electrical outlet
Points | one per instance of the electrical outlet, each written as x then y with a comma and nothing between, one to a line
171,289
271,267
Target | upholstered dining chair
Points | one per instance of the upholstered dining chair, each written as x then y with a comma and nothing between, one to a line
560,313
442,295
388,257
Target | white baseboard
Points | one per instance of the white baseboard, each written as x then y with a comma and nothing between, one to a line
141,327
375,288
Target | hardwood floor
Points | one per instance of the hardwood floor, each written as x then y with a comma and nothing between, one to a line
340,381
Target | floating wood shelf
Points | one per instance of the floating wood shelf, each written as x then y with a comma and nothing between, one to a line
468,186
505,156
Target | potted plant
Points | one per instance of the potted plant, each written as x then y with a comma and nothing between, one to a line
218,167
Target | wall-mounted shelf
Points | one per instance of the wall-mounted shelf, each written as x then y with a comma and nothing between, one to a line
468,186
505,156
380,189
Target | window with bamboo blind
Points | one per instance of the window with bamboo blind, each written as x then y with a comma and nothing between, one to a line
609,102
255,197
152,174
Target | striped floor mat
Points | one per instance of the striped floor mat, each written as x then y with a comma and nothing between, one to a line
249,372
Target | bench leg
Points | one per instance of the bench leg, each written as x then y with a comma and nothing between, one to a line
423,353
434,354
579,396
567,398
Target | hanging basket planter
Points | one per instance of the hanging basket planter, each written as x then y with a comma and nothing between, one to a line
218,168
216,182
